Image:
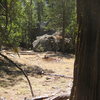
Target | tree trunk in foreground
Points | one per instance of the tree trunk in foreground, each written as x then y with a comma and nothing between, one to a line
64,25
86,85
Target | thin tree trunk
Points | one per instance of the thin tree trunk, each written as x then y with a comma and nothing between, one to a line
30,25
5,36
86,85
64,25
39,16
6,12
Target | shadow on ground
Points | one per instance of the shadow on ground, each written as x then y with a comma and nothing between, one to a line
60,55
10,75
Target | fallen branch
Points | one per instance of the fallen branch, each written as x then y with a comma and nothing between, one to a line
63,96
45,96
23,53
24,73
58,75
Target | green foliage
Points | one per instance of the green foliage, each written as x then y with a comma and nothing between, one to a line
22,20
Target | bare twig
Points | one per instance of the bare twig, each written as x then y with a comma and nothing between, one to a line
2,7
12,62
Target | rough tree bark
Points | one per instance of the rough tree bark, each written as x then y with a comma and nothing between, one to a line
86,85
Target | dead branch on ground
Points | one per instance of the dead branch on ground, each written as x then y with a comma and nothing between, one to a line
58,75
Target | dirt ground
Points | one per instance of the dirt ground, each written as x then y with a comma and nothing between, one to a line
14,86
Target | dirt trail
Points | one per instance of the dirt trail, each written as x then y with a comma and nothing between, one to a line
16,88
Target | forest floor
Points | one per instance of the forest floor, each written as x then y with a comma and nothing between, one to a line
14,86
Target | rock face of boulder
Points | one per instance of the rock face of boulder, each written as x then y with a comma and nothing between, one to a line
49,43
44,43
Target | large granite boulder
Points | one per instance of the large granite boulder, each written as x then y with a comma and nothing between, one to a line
49,43
44,43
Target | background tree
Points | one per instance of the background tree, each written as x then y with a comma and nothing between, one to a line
62,17
22,21
86,84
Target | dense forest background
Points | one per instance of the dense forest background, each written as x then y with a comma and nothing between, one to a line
21,21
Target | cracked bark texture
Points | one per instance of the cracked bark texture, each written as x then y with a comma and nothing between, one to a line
86,84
